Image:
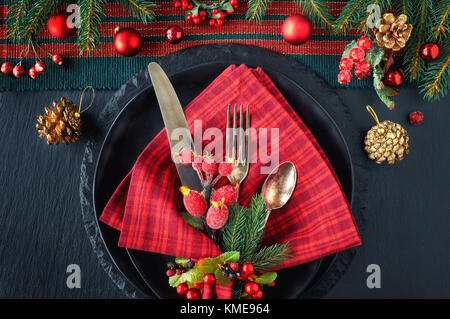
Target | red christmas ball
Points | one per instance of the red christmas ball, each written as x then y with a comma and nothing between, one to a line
364,43
174,34
34,74
40,66
59,26
362,69
57,59
429,51
393,78
344,77
7,67
18,71
416,118
127,41
296,29
356,54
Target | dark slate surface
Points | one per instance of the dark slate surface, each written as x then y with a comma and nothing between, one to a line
41,232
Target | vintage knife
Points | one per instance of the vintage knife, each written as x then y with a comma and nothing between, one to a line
175,122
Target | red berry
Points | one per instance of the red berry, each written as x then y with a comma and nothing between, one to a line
209,166
251,288
57,59
226,194
248,269
272,284
222,15
209,279
345,64
34,74
193,294
217,215
212,22
415,118
178,272
193,201
257,295
241,276
170,272
235,7
198,285
356,54
7,67
40,66
362,69
364,43
215,11
225,168
234,266
196,20
188,17
190,6
202,13
233,2
177,4
186,156
18,71
344,77
182,288
219,23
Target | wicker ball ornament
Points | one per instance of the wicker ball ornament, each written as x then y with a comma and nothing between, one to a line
386,141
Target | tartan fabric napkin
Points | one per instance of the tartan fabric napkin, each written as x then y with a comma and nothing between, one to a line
317,220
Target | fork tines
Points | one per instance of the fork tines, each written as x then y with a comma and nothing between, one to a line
237,138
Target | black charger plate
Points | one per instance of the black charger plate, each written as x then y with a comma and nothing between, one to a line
140,121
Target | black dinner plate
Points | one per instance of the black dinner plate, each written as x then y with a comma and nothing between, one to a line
140,121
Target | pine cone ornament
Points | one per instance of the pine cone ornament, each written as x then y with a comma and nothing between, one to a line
393,33
62,123
387,141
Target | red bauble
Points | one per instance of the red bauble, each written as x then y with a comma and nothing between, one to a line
174,34
393,78
362,69
18,71
344,77
296,29
429,51
356,54
127,41
40,66
7,67
364,43
57,59
34,74
57,26
415,118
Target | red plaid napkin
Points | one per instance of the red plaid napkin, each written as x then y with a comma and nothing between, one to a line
316,221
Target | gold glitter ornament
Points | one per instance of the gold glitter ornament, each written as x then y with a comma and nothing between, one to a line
386,141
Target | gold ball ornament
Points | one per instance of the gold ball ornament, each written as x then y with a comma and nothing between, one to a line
386,141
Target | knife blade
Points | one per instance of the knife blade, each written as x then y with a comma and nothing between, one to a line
175,123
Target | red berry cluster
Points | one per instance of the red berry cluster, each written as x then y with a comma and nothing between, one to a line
34,72
244,272
355,57
214,13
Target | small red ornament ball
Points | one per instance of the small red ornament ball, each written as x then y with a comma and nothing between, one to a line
7,67
393,78
18,71
193,294
209,279
416,118
251,287
174,34
34,74
364,43
57,59
345,64
296,29
127,41
40,66
356,54
58,26
429,51
344,77
362,69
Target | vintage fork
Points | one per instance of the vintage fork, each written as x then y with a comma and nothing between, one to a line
238,145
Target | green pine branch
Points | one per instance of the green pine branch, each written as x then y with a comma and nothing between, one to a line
350,15
91,12
36,18
440,20
270,256
141,9
318,12
257,9
436,79
16,12
255,226
233,232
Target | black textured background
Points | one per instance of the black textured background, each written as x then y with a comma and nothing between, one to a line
41,232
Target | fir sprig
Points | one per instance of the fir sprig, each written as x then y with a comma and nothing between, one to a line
350,14
36,18
91,12
440,19
255,225
270,256
141,9
233,232
318,12
257,9
436,79
16,12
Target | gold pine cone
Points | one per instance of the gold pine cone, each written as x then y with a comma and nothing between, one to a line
393,33
387,141
63,123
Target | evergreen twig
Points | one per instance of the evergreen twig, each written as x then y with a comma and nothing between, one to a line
257,9
36,18
440,19
91,12
318,12
350,14
436,79
270,256
16,12
141,9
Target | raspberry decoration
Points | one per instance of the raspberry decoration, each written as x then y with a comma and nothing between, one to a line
215,13
344,77
345,64
217,215
193,201
186,156
362,69
7,67
225,168
356,54
209,166
415,118
227,194
364,43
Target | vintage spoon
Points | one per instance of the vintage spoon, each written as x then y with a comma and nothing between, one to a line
279,186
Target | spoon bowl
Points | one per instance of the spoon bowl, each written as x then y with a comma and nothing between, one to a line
279,185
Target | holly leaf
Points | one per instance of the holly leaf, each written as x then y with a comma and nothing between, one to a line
190,276
173,280
375,56
227,7
221,280
266,278
209,265
194,222
182,261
